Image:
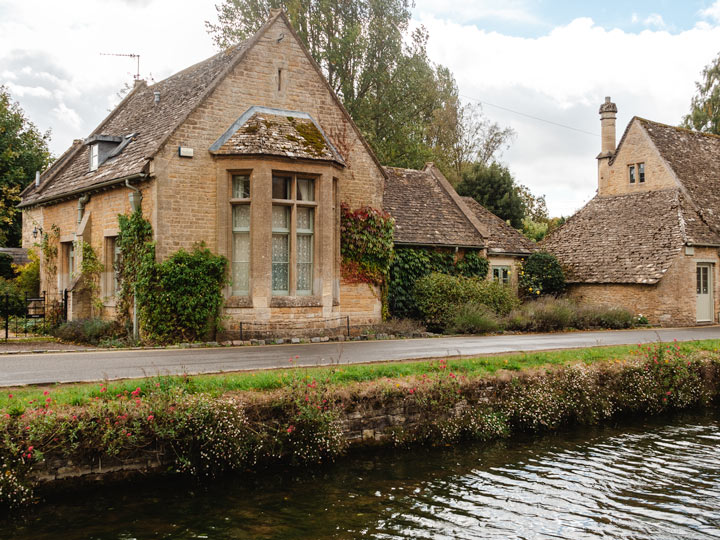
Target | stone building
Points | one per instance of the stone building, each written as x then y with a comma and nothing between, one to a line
429,213
250,152
648,241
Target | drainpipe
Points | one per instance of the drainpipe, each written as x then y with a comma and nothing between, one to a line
135,203
82,201
135,197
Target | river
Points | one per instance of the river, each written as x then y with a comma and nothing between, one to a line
653,479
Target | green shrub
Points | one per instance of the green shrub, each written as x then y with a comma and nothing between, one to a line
28,276
412,263
15,300
603,317
180,298
91,331
541,274
473,318
6,266
439,295
547,314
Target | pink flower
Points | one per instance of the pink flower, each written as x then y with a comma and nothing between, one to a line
668,393
48,400
412,390
45,393
103,389
31,448
290,429
150,418
10,396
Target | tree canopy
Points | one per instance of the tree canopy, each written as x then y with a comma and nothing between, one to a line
23,150
407,108
494,187
705,105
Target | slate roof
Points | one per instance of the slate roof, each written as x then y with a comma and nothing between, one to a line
136,114
501,237
275,132
425,211
634,238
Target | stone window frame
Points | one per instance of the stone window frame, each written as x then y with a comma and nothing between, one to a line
94,157
234,202
636,173
67,263
111,281
504,277
292,232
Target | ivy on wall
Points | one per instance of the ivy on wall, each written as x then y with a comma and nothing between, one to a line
49,249
366,244
178,299
90,270
412,263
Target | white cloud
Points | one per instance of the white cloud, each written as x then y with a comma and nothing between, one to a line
19,91
634,18
563,76
654,19
516,11
712,12
66,115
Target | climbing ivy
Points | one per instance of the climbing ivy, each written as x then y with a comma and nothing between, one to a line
134,241
49,248
178,299
90,271
366,244
412,263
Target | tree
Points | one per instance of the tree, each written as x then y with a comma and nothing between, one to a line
494,187
406,107
705,105
23,150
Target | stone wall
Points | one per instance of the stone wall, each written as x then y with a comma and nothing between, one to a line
636,148
671,302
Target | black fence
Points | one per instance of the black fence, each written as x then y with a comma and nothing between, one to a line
32,315
285,328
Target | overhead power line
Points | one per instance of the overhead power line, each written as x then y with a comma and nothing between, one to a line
531,116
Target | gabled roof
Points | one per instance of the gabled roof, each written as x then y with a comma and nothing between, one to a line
153,124
276,132
425,211
501,237
626,238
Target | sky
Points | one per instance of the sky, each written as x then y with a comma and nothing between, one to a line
531,64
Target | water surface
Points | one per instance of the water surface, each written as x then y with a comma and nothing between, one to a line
655,479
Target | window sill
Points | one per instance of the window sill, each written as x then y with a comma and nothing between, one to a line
238,302
296,301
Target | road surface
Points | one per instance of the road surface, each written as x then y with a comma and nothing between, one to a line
20,369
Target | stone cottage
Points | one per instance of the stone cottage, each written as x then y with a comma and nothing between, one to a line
429,213
250,152
648,241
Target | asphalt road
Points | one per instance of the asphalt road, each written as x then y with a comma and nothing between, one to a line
20,369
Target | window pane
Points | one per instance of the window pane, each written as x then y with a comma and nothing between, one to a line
304,263
305,189
116,263
632,174
641,172
280,263
241,217
280,218
281,187
240,186
305,219
241,263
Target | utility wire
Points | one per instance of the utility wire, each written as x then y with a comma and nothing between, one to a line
531,116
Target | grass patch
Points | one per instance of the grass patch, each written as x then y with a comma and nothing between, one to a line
341,374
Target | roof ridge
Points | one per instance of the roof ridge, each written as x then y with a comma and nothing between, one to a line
679,128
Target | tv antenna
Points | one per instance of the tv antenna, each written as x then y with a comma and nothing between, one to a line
137,73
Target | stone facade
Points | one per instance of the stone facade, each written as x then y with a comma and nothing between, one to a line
188,199
649,240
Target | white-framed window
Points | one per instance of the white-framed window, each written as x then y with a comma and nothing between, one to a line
94,156
293,234
240,204
501,274
636,173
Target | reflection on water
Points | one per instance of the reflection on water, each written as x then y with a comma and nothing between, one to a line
658,479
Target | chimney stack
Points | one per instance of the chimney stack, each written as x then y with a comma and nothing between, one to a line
608,112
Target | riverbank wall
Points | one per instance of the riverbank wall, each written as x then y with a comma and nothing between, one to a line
311,422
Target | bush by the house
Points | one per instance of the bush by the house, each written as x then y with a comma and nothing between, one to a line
438,296
541,274
6,267
15,301
549,314
91,331
28,276
474,318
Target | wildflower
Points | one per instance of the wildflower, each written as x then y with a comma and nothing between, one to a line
668,393
103,389
290,429
45,393
412,390
150,418
48,400
10,396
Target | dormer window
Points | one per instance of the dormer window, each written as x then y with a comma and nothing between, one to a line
104,147
94,157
